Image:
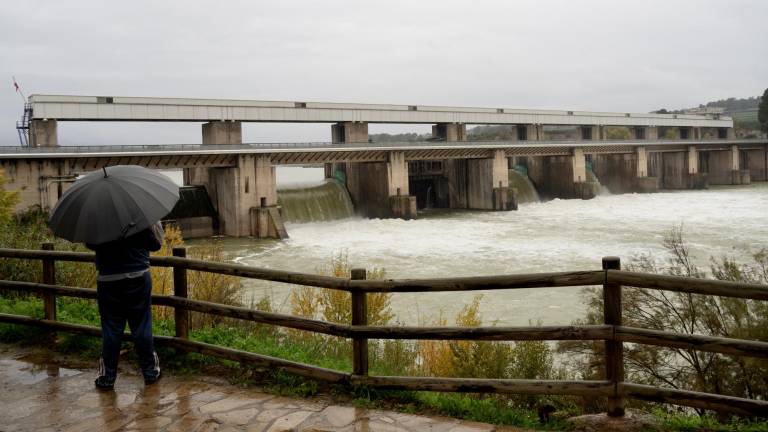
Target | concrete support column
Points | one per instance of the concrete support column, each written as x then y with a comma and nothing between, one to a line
349,132
696,179
43,133
696,133
579,166
739,175
652,133
756,161
479,184
245,197
222,132
645,183
642,162
39,182
728,167
594,132
401,203
500,180
532,132
214,133
450,131
582,188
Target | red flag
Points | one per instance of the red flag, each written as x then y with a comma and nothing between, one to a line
15,84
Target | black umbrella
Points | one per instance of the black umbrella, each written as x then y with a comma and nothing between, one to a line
113,203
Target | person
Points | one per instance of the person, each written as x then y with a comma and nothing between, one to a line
124,294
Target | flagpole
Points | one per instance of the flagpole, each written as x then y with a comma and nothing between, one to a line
18,90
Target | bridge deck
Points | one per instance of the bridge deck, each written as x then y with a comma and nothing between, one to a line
189,155
101,108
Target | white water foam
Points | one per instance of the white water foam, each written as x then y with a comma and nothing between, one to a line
558,235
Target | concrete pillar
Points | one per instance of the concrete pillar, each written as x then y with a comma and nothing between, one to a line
652,133
222,132
43,133
450,131
594,133
756,161
693,160
642,162
645,183
583,189
696,179
381,189
214,133
579,166
561,176
500,182
349,132
696,133
245,197
402,204
479,184
39,182
724,167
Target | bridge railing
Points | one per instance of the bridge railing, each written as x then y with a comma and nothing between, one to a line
612,332
246,147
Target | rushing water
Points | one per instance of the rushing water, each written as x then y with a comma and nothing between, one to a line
558,235
523,189
324,202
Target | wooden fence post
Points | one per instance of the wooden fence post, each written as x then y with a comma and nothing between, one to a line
614,349
49,278
181,316
359,317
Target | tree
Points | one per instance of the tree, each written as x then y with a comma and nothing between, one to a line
8,201
762,112
686,314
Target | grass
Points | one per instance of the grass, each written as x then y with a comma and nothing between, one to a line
495,409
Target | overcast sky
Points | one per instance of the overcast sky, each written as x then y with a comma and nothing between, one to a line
626,56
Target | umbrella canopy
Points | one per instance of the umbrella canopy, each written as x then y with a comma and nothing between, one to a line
113,203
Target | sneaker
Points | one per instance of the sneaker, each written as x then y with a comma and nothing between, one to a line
154,373
149,380
104,383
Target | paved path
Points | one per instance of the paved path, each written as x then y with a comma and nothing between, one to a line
37,393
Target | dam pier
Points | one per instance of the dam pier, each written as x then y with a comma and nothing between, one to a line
560,152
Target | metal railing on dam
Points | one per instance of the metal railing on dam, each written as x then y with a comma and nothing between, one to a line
8,152
613,280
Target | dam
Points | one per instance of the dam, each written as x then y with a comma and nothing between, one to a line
388,180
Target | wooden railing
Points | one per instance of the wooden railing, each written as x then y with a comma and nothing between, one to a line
614,387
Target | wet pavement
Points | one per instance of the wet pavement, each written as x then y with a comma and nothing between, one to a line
37,393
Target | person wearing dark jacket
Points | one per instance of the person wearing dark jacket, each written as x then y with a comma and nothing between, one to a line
124,290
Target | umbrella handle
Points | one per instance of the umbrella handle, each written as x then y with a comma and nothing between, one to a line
127,227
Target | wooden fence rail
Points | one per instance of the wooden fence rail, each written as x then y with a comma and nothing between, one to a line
612,332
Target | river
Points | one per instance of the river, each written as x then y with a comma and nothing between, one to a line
558,235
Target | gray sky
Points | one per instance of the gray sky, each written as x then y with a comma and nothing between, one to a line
627,56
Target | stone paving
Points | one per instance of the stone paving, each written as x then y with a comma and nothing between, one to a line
44,396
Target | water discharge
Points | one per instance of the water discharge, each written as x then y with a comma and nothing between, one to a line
558,235
325,202
522,187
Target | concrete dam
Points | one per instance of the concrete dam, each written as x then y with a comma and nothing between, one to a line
384,180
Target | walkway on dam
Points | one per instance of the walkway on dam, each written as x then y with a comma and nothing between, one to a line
40,391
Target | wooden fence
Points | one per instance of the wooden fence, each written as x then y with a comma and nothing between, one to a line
611,277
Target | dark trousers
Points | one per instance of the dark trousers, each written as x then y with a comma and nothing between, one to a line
127,300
